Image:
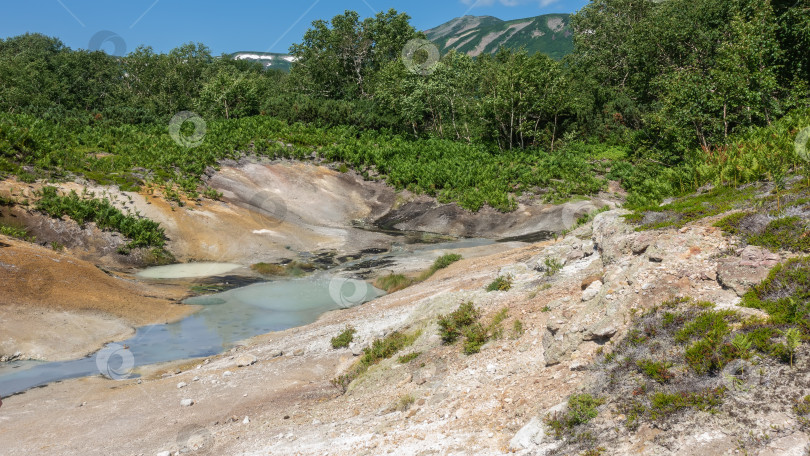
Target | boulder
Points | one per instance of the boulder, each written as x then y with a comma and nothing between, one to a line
592,291
245,360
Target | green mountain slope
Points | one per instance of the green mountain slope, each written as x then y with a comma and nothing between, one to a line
476,35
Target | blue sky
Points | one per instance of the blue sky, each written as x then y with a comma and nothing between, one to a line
253,25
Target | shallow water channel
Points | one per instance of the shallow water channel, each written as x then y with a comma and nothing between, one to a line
224,319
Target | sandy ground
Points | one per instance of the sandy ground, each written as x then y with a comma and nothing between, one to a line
55,307
280,393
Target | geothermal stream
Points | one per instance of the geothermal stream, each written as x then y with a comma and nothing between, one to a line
225,318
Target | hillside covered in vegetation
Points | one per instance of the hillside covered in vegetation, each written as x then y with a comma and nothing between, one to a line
661,97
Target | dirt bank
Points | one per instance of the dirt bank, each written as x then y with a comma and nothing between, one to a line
441,402
55,306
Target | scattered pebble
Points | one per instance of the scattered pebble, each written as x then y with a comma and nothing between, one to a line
187,402
182,385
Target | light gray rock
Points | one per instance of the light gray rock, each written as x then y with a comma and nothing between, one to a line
528,436
182,385
164,453
187,402
245,360
593,289
641,243
604,329
588,247
795,444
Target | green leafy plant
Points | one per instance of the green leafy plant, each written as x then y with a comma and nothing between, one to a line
552,266
343,339
501,283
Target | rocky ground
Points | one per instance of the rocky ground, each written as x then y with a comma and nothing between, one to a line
575,299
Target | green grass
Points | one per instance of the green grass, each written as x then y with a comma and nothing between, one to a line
379,350
553,266
691,208
581,409
141,231
440,263
784,294
343,339
656,370
16,232
405,359
787,233
393,282
467,173
501,283
269,269
291,269
663,404
452,326
465,322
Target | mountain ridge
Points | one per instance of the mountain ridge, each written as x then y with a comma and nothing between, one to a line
550,34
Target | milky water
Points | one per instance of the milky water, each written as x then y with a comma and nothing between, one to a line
187,270
225,318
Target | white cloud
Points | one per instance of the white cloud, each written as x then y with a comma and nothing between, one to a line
479,3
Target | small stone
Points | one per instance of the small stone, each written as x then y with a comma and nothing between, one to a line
246,420
164,453
195,379
298,352
577,365
187,402
641,243
245,360
529,435
491,368
227,374
592,290
276,353
182,385
405,381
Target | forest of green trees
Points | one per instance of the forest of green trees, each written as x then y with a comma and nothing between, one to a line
663,96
